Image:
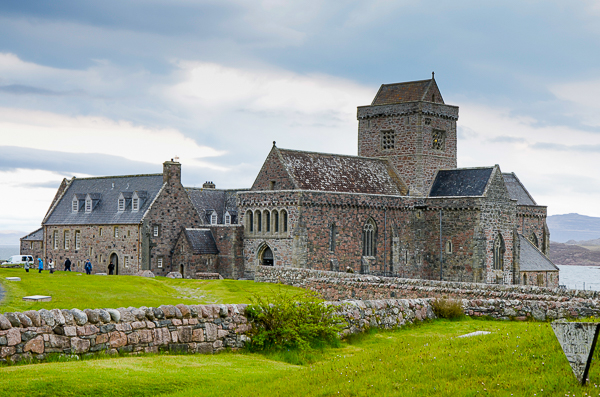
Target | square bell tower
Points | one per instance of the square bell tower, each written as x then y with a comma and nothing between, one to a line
410,124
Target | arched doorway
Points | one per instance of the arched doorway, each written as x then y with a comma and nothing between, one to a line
114,258
267,257
181,269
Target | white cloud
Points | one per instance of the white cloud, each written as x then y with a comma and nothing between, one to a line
581,99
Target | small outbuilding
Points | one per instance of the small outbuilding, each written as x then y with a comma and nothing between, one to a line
536,268
195,252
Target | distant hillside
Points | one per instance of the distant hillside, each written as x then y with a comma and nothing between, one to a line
573,227
11,237
568,254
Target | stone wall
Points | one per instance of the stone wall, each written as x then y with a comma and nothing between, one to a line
203,329
339,285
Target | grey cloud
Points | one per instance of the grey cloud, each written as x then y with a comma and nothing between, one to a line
507,139
19,89
566,148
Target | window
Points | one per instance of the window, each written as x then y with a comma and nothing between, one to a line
227,218
128,233
332,231
126,259
91,251
406,257
272,185
499,253
250,221
258,221
267,221
534,240
67,237
276,221
388,139
213,218
135,204
31,245
159,262
55,239
77,239
75,205
100,231
449,247
540,280
116,231
88,204
369,238
284,220
100,258
155,230
121,203
438,140
524,279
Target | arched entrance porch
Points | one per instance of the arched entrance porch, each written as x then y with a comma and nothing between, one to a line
114,258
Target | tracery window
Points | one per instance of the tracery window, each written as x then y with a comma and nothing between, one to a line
438,140
388,139
499,252
369,238
534,240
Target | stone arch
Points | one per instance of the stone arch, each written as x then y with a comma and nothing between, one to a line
114,258
265,255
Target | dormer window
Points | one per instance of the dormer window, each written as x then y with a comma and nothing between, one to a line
213,218
121,203
88,204
227,218
135,203
75,204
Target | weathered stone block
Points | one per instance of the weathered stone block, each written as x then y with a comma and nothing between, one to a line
79,316
115,315
79,345
69,320
117,339
58,342
211,332
13,337
185,334
204,348
14,319
185,310
198,335
92,315
58,316
34,316
4,323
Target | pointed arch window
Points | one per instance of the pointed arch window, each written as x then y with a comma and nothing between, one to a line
332,232
369,238
258,221
276,221
284,221
499,252
250,221
534,240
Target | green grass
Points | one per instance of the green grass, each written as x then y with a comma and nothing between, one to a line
519,359
76,290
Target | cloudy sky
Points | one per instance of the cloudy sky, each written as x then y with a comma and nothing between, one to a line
117,87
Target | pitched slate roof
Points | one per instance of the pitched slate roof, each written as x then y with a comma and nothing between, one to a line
516,190
403,92
106,190
531,259
37,235
201,241
460,182
207,200
339,173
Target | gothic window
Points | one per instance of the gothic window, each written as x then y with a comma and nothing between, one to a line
258,221
267,221
369,238
250,221
388,139
438,140
534,240
499,253
276,221
284,220
332,231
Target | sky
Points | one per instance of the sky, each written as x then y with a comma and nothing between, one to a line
91,88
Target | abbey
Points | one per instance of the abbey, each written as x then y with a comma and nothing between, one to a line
401,207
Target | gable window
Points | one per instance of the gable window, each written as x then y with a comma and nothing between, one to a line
388,139
67,237
75,205
438,140
55,239
534,240
213,218
121,203
155,230
499,252
88,204
227,218
77,239
116,231
369,238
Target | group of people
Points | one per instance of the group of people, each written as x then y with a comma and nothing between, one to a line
87,266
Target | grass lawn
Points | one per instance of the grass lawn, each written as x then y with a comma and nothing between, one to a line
76,290
519,359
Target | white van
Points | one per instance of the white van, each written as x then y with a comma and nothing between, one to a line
19,260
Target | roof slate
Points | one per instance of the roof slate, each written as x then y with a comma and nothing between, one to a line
201,241
37,235
219,200
532,259
106,210
402,92
338,173
516,190
460,182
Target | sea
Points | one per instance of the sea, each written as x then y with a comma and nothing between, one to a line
573,277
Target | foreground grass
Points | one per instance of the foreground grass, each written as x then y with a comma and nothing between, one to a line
520,359
70,289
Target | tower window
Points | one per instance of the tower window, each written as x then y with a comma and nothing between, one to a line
438,140
388,139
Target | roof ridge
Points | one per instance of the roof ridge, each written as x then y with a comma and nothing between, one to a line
407,82
114,176
334,154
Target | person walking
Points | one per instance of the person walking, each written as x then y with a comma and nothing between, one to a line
40,265
111,268
67,265
27,265
88,267
51,266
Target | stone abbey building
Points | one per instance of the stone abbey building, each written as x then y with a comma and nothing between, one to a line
400,207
